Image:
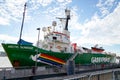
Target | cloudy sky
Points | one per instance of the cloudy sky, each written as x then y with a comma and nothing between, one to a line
92,21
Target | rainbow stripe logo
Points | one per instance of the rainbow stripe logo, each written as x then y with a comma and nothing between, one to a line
48,59
52,58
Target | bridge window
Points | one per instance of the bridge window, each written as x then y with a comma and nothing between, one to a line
54,38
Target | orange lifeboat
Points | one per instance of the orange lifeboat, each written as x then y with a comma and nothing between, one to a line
97,49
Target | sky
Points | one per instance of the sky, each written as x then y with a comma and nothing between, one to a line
92,21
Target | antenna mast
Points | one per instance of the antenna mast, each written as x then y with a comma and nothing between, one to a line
67,12
22,23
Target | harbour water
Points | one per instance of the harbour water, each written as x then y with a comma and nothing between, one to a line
4,62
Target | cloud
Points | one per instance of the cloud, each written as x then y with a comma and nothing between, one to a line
7,38
58,7
100,31
44,2
37,3
4,21
105,6
12,39
11,10
63,2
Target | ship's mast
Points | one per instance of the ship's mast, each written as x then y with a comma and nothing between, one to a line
67,12
22,23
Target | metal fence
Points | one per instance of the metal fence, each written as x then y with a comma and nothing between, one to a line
10,72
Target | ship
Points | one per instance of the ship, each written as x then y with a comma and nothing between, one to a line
55,50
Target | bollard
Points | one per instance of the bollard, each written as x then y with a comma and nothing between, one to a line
4,78
113,75
70,67
34,70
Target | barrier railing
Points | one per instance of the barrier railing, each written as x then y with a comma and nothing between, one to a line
10,72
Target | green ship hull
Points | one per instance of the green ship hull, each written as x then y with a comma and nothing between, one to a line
22,55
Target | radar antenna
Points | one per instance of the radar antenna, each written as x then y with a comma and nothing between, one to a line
22,23
54,23
67,12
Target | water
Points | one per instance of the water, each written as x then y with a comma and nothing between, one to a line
4,62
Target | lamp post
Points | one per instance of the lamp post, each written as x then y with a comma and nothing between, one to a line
37,46
38,36
34,69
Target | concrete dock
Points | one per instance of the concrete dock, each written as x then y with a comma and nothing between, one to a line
43,73
111,74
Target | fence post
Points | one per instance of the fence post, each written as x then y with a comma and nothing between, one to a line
113,75
70,67
4,78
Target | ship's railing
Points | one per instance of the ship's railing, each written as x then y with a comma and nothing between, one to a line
11,73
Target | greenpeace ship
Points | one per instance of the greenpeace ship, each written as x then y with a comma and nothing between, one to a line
55,50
